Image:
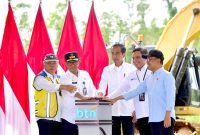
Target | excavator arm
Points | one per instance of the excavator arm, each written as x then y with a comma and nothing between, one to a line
173,33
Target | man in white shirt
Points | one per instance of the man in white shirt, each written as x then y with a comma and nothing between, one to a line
112,77
139,56
85,88
47,97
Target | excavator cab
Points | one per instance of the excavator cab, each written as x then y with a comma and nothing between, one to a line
194,70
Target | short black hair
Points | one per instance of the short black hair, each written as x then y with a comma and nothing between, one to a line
123,49
143,51
158,54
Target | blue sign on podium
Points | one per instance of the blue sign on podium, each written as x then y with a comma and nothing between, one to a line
94,117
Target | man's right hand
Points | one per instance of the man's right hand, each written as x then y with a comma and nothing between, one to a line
114,100
69,88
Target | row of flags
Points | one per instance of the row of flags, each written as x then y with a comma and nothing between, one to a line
16,76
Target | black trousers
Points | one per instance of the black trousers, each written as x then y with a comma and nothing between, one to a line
157,128
48,127
68,128
127,125
144,126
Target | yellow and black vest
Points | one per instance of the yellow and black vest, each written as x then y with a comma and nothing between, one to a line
46,103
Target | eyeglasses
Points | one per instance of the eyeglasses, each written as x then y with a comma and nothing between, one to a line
151,58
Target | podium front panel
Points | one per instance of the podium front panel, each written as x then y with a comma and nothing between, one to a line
94,116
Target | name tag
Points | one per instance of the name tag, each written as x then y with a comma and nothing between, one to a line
142,97
74,82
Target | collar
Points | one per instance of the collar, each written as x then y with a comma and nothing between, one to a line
143,69
50,75
158,71
118,68
71,74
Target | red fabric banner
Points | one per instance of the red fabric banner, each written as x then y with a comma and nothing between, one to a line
40,44
94,52
69,40
2,99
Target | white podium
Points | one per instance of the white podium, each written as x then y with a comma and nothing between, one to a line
94,117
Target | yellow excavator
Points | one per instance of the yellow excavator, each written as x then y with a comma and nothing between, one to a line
176,42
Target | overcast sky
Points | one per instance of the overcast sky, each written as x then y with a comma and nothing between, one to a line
81,8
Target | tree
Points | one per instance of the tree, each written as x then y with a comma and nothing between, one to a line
107,28
23,22
172,10
142,9
56,20
113,26
157,31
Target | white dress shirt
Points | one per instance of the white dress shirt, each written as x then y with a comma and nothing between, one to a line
83,82
42,83
130,83
112,77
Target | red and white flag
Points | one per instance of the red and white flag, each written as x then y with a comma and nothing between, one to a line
69,40
40,44
16,80
94,50
2,100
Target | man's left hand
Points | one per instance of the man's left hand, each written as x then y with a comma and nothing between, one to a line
134,120
167,120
